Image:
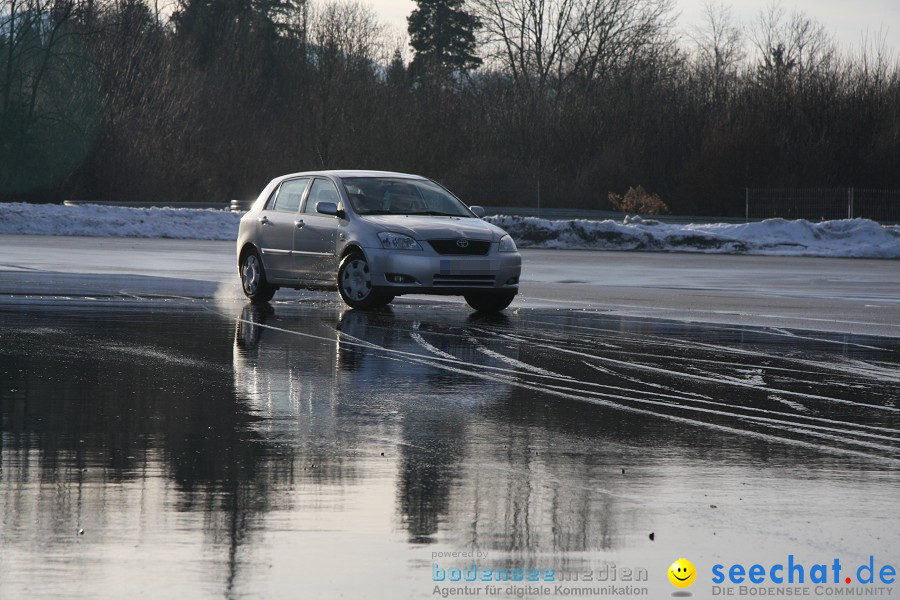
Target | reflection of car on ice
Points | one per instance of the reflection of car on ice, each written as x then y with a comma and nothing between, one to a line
288,364
283,376
374,236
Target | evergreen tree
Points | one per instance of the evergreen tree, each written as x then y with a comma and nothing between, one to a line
396,71
215,26
443,36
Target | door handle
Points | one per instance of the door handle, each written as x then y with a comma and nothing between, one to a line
298,224
263,219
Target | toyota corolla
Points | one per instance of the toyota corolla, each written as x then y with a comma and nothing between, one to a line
374,236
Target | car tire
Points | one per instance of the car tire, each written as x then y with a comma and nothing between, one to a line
253,278
490,301
354,282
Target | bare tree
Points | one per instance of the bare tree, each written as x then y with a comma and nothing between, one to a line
791,48
547,43
347,28
719,49
346,42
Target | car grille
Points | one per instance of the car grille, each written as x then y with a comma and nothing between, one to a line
464,280
461,246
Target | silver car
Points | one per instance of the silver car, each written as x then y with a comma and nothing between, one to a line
374,235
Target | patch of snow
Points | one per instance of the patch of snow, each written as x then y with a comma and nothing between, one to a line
858,238
118,221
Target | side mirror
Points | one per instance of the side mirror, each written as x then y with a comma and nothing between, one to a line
478,210
329,208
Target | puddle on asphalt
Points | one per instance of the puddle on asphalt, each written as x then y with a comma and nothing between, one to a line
216,449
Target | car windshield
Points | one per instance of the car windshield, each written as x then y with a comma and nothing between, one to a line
399,196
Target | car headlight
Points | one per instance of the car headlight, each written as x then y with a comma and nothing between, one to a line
507,244
397,241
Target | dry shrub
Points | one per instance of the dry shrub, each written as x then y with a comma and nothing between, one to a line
638,201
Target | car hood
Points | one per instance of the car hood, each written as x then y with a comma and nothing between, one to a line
433,228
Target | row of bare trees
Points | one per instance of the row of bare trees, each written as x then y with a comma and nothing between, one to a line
120,99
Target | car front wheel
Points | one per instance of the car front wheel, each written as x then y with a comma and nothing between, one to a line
354,281
490,302
253,278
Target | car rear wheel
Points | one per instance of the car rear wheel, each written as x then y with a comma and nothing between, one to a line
253,278
354,281
490,302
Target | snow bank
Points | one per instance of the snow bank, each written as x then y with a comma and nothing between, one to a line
858,238
118,221
847,238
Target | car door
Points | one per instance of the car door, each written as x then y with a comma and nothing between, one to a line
277,224
314,239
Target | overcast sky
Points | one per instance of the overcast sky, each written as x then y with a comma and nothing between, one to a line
847,20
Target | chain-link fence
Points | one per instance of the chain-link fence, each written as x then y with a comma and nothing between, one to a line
822,204
523,194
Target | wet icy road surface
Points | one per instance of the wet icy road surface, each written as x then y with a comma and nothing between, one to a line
855,296
208,449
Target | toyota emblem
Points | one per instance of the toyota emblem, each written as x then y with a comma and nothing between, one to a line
462,243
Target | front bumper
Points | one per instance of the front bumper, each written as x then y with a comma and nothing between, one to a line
423,272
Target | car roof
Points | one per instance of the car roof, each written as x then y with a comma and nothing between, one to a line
354,173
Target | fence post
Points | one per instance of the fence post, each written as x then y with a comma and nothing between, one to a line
746,205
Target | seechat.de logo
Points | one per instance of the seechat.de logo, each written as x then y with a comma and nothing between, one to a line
682,573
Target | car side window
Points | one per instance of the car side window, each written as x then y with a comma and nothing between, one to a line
322,190
270,203
290,194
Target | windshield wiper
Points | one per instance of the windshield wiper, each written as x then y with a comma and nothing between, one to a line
434,213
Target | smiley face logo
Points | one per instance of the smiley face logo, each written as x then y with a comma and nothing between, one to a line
682,573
